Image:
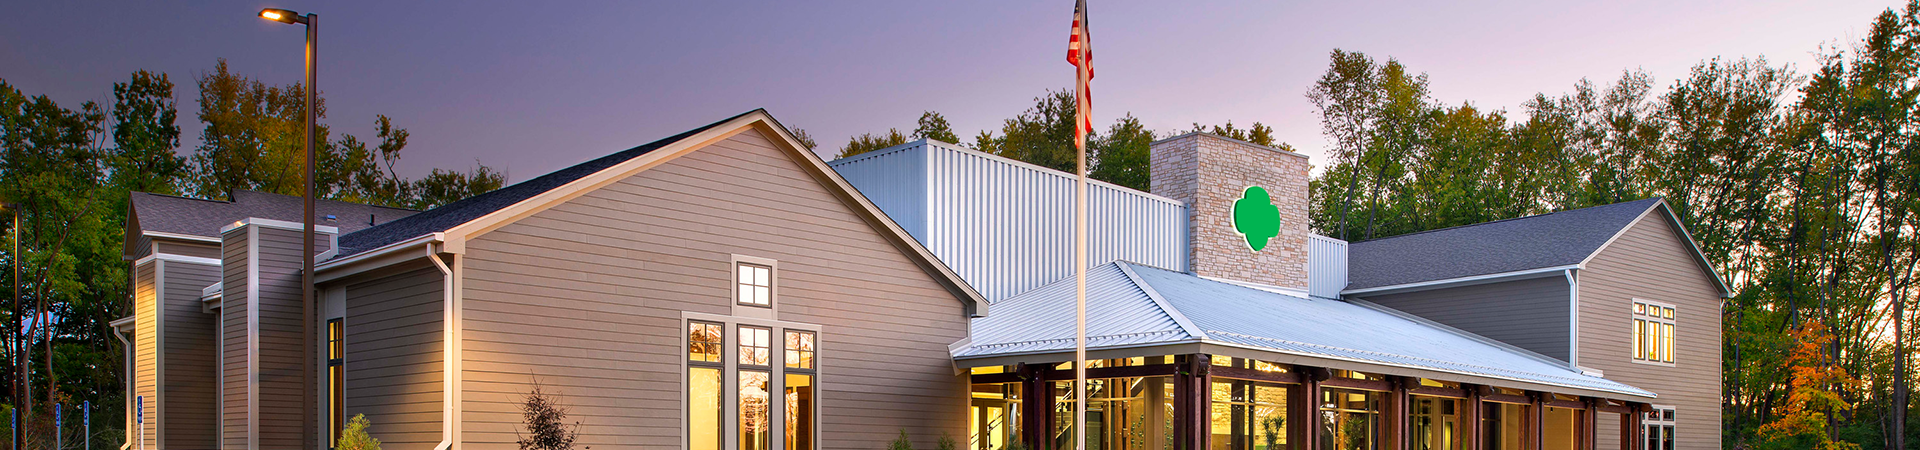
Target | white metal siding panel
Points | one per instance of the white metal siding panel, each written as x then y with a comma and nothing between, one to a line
1326,266
895,180
1006,226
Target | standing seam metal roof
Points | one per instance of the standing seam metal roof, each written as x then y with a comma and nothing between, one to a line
1120,313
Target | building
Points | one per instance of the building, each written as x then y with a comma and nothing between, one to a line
724,288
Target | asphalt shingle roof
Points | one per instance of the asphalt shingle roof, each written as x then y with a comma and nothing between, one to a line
1122,313
1532,242
453,214
197,217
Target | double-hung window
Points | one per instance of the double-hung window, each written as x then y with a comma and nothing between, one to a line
1653,331
756,414
798,364
1659,424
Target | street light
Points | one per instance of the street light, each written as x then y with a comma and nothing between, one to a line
312,21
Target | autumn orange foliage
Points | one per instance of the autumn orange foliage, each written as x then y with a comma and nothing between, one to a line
1814,393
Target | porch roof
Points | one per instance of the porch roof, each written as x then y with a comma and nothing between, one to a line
1145,309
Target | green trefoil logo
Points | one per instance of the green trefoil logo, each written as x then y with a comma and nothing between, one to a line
1255,217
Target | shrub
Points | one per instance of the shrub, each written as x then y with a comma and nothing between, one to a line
546,421
900,443
355,437
947,442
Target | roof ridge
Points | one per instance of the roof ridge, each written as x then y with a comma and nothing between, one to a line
1491,222
1126,268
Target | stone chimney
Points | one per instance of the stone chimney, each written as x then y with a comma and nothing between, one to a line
1211,174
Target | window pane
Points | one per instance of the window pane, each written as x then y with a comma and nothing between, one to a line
753,346
760,276
799,349
703,342
754,418
1667,343
703,408
1639,308
799,402
1639,337
746,274
1669,312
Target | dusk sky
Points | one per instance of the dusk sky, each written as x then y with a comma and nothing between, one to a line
530,87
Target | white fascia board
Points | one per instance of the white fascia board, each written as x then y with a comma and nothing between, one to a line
1465,281
123,324
181,236
281,224
386,255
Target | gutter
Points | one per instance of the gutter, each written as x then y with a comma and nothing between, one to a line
450,348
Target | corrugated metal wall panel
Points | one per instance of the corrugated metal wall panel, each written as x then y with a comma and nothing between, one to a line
895,179
1007,226
1326,266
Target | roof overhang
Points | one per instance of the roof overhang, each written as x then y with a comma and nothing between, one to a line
1542,272
1270,355
123,324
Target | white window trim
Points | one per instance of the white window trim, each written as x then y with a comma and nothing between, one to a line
1675,423
772,310
1634,357
730,375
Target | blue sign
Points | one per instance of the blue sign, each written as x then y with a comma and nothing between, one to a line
139,409
56,415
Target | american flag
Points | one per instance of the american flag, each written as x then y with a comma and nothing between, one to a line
1080,54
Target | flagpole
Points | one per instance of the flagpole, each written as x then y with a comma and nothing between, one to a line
1082,79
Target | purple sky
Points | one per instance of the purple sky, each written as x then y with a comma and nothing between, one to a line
531,88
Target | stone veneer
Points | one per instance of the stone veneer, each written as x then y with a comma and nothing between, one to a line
1209,173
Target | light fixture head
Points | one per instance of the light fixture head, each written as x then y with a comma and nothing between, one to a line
282,15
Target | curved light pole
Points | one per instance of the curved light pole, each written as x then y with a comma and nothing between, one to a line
307,344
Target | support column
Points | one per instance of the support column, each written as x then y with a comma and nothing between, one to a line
1590,425
1192,407
1471,417
1305,418
1398,414
1537,427
1038,402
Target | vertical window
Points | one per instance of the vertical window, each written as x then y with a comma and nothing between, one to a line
799,392
755,413
704,385
754,285
1653,332
336,389
1659,424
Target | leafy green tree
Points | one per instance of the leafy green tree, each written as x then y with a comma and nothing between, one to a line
868,142
1123,156
1258,134
1344,97
145,135
446,186
1042,135
934,126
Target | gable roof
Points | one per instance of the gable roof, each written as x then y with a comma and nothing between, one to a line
1513,247
447,228
1131,306
465,210
192,217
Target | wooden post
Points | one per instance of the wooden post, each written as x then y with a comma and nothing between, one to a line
1471,417
1306,415
1398,413
1038,406
1537,427
1202,401
1590,424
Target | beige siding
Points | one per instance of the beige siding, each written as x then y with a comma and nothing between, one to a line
189,385
393,356
145,340
233,352
1530,314
587,297
1651,261
184,248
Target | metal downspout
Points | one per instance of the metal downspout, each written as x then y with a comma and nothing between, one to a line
448,368
129,374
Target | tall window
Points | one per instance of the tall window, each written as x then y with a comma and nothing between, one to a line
705,387
754,285
755,405
799,389
1350,419
1659,427
1653,327
336,389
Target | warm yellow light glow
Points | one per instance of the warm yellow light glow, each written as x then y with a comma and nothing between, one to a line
270,15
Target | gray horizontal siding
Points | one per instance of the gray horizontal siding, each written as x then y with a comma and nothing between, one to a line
281,396
1530,314
393,357
587,297
1651,261
233,352
191,363
194,249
